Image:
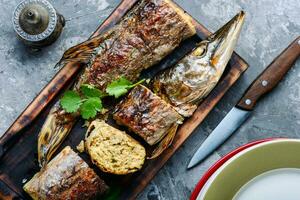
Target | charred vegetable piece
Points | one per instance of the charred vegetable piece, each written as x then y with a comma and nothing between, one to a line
144,36
67,176
147,115
187,83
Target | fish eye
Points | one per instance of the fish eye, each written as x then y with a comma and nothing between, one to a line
201,49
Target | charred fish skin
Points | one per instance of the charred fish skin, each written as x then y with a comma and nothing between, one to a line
149,32
67,176
147,115
144,36
187,83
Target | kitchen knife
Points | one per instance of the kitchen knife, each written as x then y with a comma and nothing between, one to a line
265,82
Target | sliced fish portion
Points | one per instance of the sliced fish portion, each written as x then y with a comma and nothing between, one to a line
146,114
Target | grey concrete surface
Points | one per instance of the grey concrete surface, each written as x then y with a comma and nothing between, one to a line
270,26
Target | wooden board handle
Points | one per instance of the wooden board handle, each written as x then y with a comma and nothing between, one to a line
271,76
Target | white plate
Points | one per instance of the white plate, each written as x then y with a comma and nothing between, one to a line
281,184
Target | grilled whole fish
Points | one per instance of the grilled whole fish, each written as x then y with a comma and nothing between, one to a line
145,35
187,83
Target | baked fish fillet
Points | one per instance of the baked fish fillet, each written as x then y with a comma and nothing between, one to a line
187,83
144,36
66,177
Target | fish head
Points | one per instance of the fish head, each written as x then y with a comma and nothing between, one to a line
187,83
207,62
220,45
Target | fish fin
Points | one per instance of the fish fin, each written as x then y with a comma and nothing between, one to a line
186,109
165,143
83,52
57,126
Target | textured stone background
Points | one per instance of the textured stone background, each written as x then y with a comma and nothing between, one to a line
270,26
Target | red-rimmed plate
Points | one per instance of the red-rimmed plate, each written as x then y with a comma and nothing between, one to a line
219,163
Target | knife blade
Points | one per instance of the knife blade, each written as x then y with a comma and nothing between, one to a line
263,84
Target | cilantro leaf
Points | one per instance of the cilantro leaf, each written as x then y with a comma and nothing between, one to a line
88,102
90,91
120,87
71,101
90,107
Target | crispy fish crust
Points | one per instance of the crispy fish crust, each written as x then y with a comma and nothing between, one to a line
146,114
112,150
66,177
146,34
143,37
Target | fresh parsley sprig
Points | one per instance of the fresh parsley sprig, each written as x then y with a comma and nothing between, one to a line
88,101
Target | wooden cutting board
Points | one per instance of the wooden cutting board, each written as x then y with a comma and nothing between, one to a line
18,146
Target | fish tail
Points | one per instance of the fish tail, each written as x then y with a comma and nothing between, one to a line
55,129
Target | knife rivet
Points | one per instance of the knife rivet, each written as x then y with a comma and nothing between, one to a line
248,101
264,83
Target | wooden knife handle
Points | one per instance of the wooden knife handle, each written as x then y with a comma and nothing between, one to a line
271,76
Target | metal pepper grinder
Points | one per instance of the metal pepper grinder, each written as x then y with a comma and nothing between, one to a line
37,23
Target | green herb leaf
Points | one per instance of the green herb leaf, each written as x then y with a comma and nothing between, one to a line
90,107
90,91
120,87
71,101
89,102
